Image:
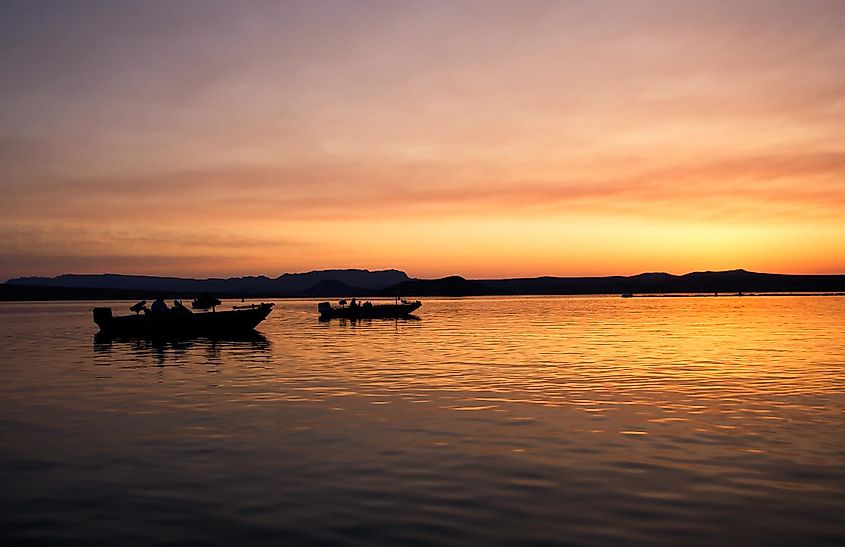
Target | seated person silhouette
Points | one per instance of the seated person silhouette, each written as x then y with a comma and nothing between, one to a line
179,308
159,307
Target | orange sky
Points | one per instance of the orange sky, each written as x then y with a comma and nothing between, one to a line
488,139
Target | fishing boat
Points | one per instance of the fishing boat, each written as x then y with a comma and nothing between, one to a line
367,310
181,321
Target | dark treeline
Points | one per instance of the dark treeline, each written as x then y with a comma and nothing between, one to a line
286,284
40,293
733,281
346,283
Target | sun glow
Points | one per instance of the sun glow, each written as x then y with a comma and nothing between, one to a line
559,139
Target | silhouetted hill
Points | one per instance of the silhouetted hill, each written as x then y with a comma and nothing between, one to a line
557,285
333,288
652,283
284,285
363,279
35,292
448,286
146,283
741,280
362,283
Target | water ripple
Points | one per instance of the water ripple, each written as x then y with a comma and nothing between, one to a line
490,421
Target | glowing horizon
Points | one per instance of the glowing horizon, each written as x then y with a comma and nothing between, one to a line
484,139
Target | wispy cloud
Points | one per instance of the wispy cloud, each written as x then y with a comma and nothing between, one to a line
753,188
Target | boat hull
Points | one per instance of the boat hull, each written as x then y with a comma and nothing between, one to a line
379,311
212,323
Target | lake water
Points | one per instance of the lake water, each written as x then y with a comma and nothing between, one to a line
487,421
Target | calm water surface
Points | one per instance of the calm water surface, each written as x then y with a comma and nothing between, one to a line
517,421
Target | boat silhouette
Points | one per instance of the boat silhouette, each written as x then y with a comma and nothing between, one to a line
180,321
367,310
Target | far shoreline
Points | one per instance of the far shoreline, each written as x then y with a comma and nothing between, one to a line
388,284
51,294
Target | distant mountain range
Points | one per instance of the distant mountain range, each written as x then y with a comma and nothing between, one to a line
731,281
365,283
289,284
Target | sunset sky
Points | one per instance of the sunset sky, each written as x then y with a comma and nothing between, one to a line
487,139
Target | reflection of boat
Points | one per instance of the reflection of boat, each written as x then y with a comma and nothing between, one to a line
183,323
251,337
179,349
367,310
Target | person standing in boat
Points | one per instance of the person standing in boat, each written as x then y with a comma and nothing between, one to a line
159,307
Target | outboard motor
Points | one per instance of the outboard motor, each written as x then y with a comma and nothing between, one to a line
102,315
324,307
